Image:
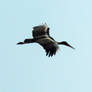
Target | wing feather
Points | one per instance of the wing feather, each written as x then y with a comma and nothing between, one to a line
40,30
49,45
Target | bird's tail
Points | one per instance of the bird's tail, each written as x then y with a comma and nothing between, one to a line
26,41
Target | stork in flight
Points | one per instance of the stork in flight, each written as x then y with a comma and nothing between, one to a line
41,36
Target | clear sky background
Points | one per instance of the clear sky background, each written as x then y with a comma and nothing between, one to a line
26,68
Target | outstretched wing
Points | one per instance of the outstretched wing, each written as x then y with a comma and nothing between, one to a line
41,30
49,45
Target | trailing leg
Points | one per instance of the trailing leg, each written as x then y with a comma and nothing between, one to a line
26,41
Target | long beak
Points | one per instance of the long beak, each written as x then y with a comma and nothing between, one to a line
66,44
70,46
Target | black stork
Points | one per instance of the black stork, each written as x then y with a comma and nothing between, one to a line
41,36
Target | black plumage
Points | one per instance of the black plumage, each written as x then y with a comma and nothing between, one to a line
41,36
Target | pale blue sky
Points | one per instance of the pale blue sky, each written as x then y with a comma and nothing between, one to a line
26,68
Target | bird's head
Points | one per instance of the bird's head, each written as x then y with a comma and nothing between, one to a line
66,44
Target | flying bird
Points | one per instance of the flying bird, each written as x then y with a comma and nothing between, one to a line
41,36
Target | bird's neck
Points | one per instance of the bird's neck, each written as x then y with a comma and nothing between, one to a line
61,43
